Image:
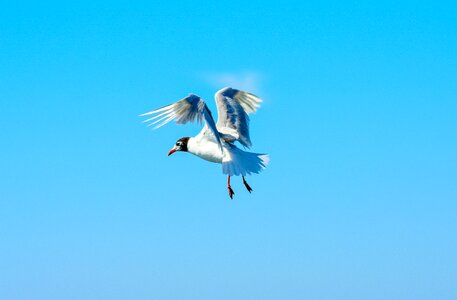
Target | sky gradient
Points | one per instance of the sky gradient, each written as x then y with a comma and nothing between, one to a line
359,118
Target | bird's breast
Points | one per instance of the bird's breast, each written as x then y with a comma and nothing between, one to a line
206,150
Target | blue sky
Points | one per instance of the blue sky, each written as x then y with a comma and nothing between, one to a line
359,117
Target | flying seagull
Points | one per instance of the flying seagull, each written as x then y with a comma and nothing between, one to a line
216,141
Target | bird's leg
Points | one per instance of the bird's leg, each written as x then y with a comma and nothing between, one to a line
247,185
230,191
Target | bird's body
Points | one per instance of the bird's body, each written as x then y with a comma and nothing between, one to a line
206,149
215,142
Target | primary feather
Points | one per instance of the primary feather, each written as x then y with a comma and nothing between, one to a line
233,107
190,109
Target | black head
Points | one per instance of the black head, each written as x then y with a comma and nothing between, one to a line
181,145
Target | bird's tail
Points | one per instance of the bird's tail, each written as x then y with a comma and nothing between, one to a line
238,162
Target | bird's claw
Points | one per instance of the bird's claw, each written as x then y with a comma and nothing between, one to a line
247,185
231,192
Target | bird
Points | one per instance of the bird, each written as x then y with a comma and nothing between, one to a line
216,141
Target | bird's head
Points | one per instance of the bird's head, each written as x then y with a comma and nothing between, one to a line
181,145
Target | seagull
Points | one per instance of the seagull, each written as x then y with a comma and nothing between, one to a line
216,141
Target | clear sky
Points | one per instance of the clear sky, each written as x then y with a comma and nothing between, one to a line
359,117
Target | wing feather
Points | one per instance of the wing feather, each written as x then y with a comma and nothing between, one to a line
190,109
233,107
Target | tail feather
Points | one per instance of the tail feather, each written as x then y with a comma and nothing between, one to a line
238,162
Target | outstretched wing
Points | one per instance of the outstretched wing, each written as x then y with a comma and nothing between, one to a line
233,107
190,109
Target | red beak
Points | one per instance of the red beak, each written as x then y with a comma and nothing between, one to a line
172,151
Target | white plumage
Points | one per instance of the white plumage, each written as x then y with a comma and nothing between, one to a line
215,142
